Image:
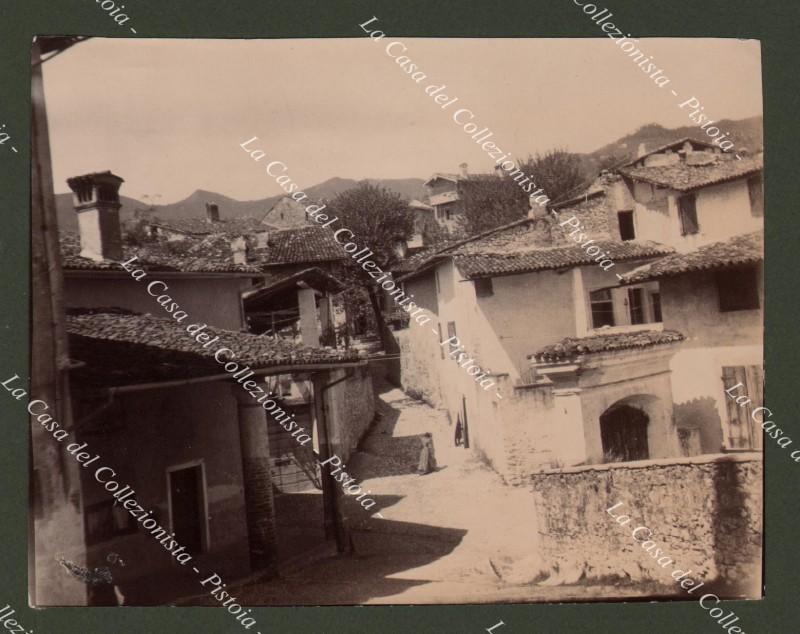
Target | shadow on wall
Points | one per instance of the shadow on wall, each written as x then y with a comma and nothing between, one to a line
701,414
738,536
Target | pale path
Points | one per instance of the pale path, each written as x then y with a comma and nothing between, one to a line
439,530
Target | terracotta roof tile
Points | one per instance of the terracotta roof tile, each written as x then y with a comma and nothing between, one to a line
300,244
572,347
211,254
683,177
158,348
243,225
543,258
736,251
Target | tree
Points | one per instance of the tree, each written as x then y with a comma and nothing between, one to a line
491,200
378,219
558,172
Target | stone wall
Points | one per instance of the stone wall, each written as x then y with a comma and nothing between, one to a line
351,408
418,367
705,513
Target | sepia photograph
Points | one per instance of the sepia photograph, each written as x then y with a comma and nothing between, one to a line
396,320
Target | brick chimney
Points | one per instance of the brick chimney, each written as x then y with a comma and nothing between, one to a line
212,212
96,201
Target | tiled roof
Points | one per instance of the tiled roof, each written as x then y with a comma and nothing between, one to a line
736,251
542,258
571,347
672,145
443,198
420,259
445,176
119,346
211,254
313,277
300,244
200,226
539,243
683,177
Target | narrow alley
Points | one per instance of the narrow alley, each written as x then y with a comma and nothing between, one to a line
458,535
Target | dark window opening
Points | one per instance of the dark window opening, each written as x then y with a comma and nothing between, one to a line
187,507
602,308
623,433
451,336
484,287
635,305
687,210
655,300
738,289
626,228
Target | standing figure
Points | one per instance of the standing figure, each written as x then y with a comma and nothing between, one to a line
459,431
427,458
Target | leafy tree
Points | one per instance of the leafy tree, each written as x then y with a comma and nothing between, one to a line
558,172
491,200
378,219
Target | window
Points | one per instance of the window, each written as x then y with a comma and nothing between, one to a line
447,214
451,334
738,289
687,211
602,306
483,287
626,229
106,520
739,430
655,302
635,305
441,347
755,185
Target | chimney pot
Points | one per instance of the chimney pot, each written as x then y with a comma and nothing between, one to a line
212,212
464,170
96,201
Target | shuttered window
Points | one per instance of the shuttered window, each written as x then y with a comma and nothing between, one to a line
740,431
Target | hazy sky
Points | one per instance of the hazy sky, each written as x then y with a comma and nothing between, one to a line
169,115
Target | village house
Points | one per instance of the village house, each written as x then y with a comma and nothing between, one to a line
584,369
709,206
238,491
445,198
507,293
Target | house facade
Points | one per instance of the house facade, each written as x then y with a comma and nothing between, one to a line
584,364
175,421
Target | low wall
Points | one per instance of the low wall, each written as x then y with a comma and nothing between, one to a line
705,513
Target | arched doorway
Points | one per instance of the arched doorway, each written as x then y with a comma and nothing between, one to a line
623,432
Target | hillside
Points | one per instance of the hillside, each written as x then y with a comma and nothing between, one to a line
745,133
194,205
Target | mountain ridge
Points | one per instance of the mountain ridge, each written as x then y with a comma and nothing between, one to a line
745,133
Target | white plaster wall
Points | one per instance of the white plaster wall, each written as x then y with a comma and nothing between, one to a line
713,339
723,211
